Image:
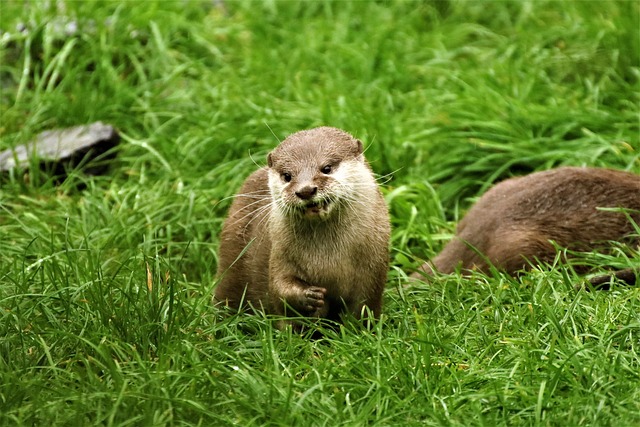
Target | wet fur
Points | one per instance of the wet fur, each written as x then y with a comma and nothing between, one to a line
517,220
279,255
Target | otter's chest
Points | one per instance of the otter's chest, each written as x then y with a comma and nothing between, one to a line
326,263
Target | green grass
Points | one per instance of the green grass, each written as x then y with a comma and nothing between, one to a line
106,282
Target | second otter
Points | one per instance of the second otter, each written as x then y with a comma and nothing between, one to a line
519,220
309,234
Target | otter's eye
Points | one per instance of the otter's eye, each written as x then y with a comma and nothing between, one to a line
326,169
286,177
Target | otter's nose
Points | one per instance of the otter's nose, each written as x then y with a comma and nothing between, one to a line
305,193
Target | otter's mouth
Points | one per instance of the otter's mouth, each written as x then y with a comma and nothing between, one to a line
317,208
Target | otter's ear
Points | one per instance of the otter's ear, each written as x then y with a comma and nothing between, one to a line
359,146
269,160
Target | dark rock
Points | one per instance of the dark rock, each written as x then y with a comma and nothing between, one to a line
62,149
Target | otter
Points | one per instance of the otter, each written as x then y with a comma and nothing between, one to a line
308,234
523,220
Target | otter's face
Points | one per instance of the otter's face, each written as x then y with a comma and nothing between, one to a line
312,173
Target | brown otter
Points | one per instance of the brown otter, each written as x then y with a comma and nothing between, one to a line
519,220
310,232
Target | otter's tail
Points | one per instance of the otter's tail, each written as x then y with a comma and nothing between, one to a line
628,276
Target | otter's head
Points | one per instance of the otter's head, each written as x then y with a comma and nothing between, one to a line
313,172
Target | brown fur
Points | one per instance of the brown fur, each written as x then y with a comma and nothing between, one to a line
282,247
515,222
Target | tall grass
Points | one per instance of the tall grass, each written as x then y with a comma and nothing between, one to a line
106,281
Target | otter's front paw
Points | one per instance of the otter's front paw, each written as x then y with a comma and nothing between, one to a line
313,299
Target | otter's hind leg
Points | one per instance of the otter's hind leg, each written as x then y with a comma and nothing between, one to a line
456,254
